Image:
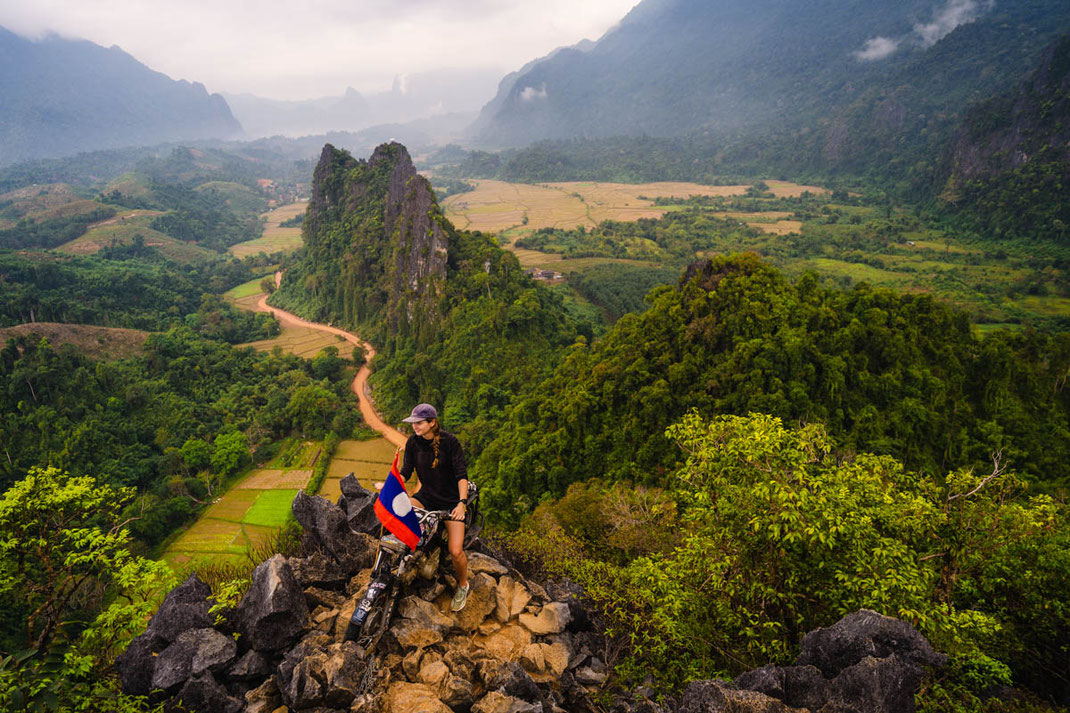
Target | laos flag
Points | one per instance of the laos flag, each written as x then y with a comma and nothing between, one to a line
394,509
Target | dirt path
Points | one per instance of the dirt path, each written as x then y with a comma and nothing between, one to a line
360,383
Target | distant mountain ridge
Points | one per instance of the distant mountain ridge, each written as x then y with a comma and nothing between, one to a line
62,97
817,76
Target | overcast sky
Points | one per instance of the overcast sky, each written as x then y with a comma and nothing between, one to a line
301,50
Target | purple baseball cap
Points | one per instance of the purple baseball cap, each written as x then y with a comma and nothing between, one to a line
422,412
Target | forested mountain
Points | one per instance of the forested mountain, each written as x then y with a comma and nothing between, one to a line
459,323
820,86
1008,167
63,96
887,373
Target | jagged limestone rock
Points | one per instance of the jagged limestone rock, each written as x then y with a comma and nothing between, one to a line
318,570
273,611
719,697
861,634
482,601
496,702
185,607
253,666
802,686
193,653
358,503
265,698
136,664
512,597
404,697
326,524
203,694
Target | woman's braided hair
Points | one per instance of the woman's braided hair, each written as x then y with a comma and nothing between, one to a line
434,430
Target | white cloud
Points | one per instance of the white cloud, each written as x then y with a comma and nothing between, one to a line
531,93
946,19
877,48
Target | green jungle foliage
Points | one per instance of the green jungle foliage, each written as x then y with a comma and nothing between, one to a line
893,374
173,422
763,533
51,233
72,594
620,288
46,287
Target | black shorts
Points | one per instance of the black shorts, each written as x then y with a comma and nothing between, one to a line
430,502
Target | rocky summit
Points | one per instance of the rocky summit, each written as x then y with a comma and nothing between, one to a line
519,646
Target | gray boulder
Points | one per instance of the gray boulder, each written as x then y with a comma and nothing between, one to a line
326,525
273,612
204,694
193,653
253,666
864,663
801,686
185,607
135,665
865,633
720,697
359,505
318,570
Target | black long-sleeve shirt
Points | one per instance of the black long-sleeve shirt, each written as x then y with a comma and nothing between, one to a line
438,486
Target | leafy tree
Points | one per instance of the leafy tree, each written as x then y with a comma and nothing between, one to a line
65,549
311,407
196,453
230,452
778,534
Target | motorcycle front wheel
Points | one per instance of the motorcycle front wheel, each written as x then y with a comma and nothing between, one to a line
377,621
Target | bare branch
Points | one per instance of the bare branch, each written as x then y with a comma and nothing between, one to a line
997,469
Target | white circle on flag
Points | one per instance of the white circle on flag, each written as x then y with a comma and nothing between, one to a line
401,505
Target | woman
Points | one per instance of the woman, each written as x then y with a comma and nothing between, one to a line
438,459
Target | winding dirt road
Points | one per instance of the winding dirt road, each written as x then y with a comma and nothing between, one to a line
360,383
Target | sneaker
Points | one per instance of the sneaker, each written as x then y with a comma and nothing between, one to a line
460,598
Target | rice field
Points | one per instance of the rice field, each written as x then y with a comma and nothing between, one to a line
248,289
303,341
512,209
274,238
248,513
369,461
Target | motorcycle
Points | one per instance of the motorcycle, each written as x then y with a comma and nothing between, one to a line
396,565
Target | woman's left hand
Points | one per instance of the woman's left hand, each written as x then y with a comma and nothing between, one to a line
458,512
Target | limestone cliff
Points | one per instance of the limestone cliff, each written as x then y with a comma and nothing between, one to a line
376,245
1009,164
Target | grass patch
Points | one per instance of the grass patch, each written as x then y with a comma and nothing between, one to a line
122,229
271,509
248,289
271,479
274,238
378,450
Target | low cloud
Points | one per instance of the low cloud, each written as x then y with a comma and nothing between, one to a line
955,13
528,94
877,48
945,19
